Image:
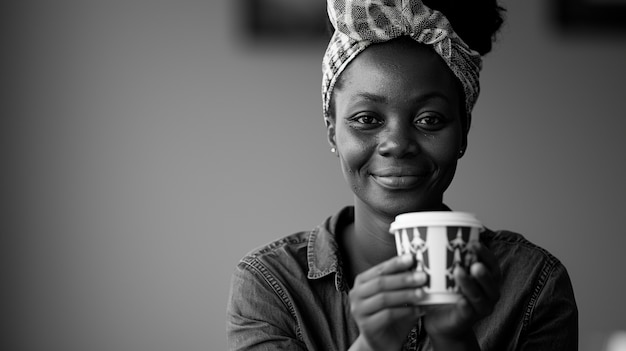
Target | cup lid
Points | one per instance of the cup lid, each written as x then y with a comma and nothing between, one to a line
433,219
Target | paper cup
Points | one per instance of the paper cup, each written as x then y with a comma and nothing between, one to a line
438,240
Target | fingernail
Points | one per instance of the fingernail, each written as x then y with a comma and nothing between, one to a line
458,270
419,292
407,258
476,269
420,277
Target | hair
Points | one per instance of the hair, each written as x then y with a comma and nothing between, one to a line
476,22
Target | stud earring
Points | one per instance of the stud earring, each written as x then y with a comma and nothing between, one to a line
333,150
461,152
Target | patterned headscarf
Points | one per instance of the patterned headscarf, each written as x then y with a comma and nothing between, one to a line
360,23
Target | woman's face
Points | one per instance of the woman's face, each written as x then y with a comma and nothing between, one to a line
397,127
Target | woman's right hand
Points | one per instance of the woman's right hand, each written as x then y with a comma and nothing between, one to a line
383,303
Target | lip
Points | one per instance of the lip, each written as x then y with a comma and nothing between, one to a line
397,182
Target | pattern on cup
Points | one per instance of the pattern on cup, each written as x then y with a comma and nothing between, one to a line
414,242
458,237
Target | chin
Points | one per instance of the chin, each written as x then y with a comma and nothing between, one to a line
392,209
414,201
392,203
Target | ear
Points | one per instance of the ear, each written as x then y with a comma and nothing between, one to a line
463,148
464,133
330,131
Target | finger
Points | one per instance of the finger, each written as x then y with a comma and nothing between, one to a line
489,285
473,292
393,265
465,309
489,260
391,282
399,299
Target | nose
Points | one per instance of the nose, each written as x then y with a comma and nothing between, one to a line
398,141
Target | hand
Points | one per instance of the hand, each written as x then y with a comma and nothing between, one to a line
383,303
480,290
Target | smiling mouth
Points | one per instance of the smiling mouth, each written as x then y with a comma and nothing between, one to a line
398,182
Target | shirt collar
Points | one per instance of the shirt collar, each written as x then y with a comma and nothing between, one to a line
323,255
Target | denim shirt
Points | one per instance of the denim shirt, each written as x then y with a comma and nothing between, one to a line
291,295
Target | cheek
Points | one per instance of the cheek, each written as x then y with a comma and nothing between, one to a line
353,158
446,147
443,154
446,154
354,152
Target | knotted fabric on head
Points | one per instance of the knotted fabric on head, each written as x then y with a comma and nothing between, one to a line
360,23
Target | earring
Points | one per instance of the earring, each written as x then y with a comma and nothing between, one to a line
461,152
333,150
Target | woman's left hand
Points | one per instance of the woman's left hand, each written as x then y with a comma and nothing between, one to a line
480,290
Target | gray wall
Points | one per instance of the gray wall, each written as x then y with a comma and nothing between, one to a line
146,149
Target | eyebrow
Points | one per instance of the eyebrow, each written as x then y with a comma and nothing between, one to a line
383,99
372,97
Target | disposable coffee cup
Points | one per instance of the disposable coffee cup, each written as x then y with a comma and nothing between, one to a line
438,240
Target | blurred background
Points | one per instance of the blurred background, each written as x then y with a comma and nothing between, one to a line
148,145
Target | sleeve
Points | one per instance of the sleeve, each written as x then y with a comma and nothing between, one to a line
552,323
258,318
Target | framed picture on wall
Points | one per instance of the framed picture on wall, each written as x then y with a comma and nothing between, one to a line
591,15
284,20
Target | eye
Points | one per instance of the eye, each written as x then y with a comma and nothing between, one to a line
366,119
430,122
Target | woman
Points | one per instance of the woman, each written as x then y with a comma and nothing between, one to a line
398,90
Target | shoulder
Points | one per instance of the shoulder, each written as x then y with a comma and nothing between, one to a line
266,275
530,272
537,302
261,302
308,254
515,248
271,258
526,266
289,243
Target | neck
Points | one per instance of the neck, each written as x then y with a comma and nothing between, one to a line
371,234
368,242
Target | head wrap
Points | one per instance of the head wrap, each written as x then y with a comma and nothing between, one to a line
360,23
